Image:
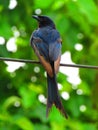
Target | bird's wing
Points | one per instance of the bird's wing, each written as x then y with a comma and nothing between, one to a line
41,46
55,49
41,50
48,48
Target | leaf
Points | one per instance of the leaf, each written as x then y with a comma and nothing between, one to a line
89,9
5,117
24,123
28,97
40,113
10,101
56,116
41,127
58,4
39,3
77,17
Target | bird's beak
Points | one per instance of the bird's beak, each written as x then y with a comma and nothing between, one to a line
36,17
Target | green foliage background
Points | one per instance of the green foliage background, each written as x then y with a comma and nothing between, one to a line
20,108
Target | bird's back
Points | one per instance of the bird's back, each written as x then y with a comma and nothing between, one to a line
50,45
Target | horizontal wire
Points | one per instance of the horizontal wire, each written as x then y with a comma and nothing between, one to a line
37,62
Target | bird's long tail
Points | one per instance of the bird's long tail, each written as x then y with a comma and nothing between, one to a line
53,95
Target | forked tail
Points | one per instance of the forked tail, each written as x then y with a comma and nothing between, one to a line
53,96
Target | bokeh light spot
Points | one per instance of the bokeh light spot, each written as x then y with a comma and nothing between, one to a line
12,4
17,104
38,11
2,40
36,69
33,78
42,99
65,95
11,46
82,108
79,91
78,46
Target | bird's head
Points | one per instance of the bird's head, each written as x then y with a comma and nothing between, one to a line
44,21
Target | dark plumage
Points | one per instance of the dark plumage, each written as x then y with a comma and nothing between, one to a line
46,43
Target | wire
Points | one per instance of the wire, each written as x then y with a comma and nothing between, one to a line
37,62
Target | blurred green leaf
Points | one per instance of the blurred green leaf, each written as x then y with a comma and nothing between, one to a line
28,97
41,127
58,4
10,101
90,10
39,3
24,123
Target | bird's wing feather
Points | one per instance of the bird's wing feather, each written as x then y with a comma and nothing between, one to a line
54,50
47,46
41,50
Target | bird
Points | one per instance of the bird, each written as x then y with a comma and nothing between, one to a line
47,43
